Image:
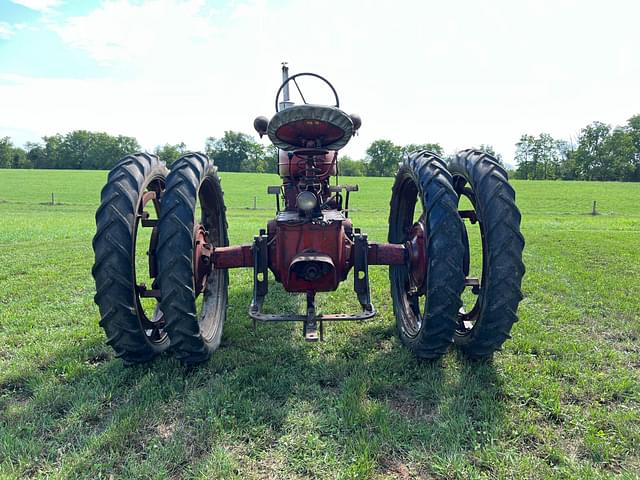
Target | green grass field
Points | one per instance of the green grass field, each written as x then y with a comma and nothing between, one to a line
562,400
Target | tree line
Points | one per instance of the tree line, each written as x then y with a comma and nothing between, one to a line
233,152
601,152
80,150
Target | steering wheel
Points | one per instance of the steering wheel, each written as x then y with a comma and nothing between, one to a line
286,82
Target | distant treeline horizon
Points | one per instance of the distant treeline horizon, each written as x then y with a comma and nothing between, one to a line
601,152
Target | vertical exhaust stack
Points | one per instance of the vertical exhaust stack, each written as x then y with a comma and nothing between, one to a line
286,102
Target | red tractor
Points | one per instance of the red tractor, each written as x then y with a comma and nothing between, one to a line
310,246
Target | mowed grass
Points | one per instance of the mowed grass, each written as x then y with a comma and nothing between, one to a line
562,400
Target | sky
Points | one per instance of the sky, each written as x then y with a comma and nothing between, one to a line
460,73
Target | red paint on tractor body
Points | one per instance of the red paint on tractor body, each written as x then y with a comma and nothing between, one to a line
296,132
292,164
386,254
235,256
309,256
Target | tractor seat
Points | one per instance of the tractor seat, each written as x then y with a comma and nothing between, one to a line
304,126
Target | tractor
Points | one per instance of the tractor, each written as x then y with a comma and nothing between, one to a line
170,227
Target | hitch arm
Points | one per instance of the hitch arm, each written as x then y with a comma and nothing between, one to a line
386,254
236,256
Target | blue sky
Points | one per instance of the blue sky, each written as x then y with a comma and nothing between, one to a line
35,50
459,72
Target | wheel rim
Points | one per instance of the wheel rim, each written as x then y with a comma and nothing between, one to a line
468,317
209,283
409,280
147,295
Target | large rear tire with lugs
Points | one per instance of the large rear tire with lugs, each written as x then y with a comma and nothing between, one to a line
487,325
136,335
193,217
426,309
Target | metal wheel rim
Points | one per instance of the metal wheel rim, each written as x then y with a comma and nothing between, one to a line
214,287
468,320
412,313
152,328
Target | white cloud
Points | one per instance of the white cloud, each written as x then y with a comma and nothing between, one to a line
459,73
120,31
38,5
153,113
8,30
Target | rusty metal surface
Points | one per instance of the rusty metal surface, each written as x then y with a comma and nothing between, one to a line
202,251
386,254
289,238
145,292
311,319
311,266
328,216
236,256
150,196
417,250
296,164
330,317
470,214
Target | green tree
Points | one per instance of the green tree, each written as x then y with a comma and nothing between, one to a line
545,156
633,128
103,151
524,157
619,161
256,161
170,153
415,147
540,158
270,159
36,155
82,149
74,150
19,158
124,146
491,151
52,147
566,165
6,149
11,156
383,158
350,167
590,156
237,152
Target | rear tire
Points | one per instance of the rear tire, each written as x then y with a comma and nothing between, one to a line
427,331
486,327
194,335
129,331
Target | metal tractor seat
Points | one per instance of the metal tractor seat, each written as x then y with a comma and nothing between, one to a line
304,126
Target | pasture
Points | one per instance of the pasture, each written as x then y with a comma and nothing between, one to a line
562,400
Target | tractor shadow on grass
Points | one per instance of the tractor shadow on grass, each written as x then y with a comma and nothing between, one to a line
266,402
408,408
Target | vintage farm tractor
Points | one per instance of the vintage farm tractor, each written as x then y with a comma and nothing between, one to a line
173,224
